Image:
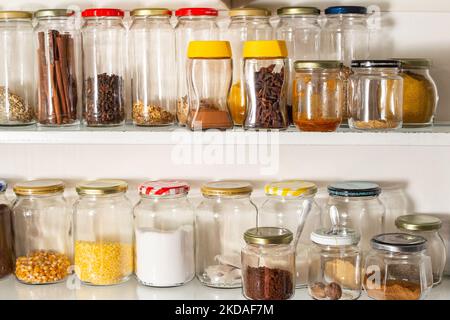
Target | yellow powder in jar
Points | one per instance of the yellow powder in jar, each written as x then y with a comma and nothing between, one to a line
237,104
342,272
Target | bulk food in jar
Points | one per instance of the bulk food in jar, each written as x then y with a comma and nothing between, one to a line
290,204
268,264
397,268
318,95
209,79
375,95
222,217
335,265
152,42
164,234
265,84
428,227
246,24
42,226
6,234
58,44
103,223
194,24
16,69
104,63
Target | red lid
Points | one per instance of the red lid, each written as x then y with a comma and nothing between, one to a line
164,188
102,12
196,12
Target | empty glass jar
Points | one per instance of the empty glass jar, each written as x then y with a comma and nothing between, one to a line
6,235
222,217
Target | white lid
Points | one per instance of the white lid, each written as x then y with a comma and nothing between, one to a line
340,237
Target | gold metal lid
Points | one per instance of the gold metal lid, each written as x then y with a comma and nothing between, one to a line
318,64
226,188
252,12
11,15
292,11
102,187
418,222
414,63
50,13
268,235
38,187
145,12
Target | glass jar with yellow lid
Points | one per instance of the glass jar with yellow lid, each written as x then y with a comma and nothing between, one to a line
103,223
42,224
222,217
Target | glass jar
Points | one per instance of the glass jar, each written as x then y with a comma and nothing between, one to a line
265,84
209,80
103,221
152,44
246,24
268,264
300,28
222,217
420,95
164,234
16,69
290,204
397,268
428,227
193,24
375,95
356,205
42,225
104,63
6,235
318,95
58,44
335,265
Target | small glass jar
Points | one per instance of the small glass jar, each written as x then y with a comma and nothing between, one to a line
375,95
268,264
6,235
58,44
246,24
397,268
428,227
265,84
103,223
42,225
104,67
222,217
318,95
16,69
209,80
356,205
194,24
291,205
164,234
152,42
335,265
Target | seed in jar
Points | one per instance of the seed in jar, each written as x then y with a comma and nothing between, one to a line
13,108
151,115
182,110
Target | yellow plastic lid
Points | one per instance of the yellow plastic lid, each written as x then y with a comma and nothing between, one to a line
209,50
290,188
265,49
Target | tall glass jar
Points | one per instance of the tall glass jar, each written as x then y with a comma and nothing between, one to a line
103,221
265,84
209,80
164,234
318,95
222,217
428,227
375,96
246,24
16,69
104,64
398,268
58,44
268,264
42,227
6,235
300,28
290,204
193,24
152,44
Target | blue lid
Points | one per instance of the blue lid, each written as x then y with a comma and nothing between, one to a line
3,185
346,10
354,189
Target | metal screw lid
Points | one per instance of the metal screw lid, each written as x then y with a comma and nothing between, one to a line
253,12
147,12
354,189
268,235
38,187
418,222
50,13
346,10
414,63
335,237
292,11
317,64
398,243
102,187
12,15
226,188
376,64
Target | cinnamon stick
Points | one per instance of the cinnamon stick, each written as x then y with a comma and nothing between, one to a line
72,76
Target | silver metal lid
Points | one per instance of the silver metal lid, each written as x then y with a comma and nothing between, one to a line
398,242
335,237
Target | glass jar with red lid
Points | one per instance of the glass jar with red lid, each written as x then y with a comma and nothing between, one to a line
104,62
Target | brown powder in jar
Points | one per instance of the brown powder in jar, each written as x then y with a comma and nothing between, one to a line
395,290
318,125
376,124
209,116
268,284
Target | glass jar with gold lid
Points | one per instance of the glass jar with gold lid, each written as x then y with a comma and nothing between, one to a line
222,217
103,223
42,224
